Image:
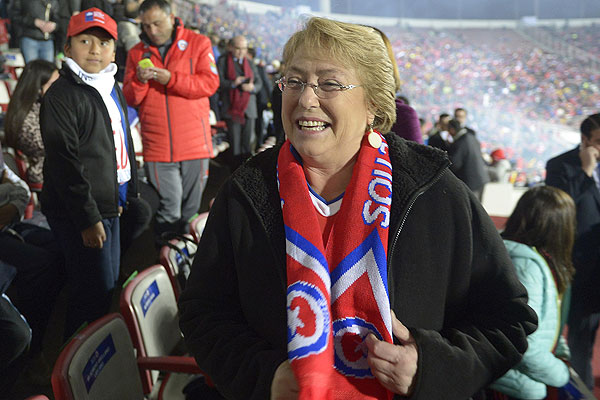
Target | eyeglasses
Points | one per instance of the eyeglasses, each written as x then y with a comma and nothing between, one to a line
325,90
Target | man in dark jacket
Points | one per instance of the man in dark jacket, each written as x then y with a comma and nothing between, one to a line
240,84
35,24
576,172
465,154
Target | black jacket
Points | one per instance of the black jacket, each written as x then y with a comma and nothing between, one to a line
24,12
467,163
565,172
80,168
226,86
450,281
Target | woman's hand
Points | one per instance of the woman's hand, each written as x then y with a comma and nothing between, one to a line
284,385
94,236
394,366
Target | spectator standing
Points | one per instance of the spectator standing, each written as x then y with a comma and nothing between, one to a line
22,121
438,135
460,114
577,173
35,23
289,233
499,169
240,83
172,97
88,169
129,34
104,5
263,97
465,154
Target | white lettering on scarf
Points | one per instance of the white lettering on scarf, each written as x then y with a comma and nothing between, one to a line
381,178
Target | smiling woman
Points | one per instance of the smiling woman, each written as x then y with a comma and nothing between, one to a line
326,272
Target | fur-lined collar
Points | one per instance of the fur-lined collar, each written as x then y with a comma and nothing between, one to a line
415,166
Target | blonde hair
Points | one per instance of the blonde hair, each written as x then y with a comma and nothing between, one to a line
360,48
392,56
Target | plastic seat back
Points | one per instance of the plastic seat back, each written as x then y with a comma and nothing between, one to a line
197,226
99,363
177,257
149,306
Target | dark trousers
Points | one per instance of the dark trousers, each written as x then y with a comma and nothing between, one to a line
239,137
15,337
36,255
581,337
91,273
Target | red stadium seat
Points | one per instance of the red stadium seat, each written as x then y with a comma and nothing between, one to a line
100,363
177,257
149,308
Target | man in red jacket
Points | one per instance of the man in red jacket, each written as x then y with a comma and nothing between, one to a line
171,86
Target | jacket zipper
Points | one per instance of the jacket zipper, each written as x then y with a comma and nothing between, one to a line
169,123
97,95
412,201
168,113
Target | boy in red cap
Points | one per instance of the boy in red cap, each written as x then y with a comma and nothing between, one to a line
87,170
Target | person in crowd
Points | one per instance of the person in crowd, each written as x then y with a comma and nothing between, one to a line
129,34
262,97
22,120
364,291
105,6
36,23
173,110
438,135
460,114
16,338
214,40
90,165
465,154
407,123
240,83
499,168
576,172
34,255
539,237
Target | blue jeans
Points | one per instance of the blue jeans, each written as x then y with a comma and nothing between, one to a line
33,49
91,273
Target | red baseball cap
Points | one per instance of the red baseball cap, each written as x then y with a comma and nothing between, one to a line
90,18
498,155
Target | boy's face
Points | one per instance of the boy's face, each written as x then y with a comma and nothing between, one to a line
93,50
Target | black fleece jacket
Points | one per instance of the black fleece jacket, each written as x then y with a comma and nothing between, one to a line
80,167
450,281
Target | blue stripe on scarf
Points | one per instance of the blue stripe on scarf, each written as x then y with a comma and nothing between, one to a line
371,242
305,246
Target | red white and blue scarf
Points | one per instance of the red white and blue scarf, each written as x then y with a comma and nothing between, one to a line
336,297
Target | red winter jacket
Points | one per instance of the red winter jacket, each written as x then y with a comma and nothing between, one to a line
174,117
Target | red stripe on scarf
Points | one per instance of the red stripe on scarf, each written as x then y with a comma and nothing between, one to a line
322,371
238,99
